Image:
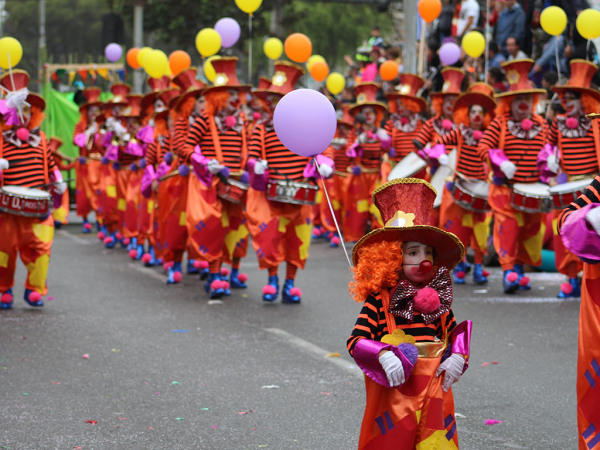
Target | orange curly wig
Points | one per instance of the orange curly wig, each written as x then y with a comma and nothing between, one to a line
437,102
504,104
185,108
412,105
215,101
461,116
160,127
379,267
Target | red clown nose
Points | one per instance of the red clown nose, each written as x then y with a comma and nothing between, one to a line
425,266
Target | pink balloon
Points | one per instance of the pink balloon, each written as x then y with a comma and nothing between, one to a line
229,30
305,122
113,52
449,53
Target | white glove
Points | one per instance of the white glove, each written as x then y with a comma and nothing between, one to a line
325,170
393,368
60,188
91,130
126,137
260,166
593,218
453,367
214,167
508,168
552,163
382,135
362,138
3,164
443,159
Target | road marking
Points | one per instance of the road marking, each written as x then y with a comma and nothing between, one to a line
68,235
517,299
148,271
315,350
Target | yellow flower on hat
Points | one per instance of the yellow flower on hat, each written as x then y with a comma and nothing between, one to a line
401,219
279,79
513,76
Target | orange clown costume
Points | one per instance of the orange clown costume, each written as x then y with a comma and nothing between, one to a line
65,164
280,227
26,226
366,153
217,148
512,143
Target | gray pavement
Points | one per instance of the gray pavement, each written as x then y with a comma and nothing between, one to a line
169,370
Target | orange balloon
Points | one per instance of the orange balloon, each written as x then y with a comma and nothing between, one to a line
319,71
298,47
132,54
388,70
429,10
179,61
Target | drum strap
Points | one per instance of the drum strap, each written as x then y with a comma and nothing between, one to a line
263,150
215,138
46,157
1,150
596,131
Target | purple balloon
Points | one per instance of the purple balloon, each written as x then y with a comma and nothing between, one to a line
113,52
449,53
229,30
305,122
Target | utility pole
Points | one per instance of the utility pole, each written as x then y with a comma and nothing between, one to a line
276,28
138,42
42,45
409,49
2,13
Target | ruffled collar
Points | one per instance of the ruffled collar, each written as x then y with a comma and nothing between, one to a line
438,127
583,126
225,122
467,134
33,141
515,128
402,297
408,125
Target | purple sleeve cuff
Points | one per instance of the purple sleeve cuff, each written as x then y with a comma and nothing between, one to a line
497,157
112,152
354,150
146,134
147,179
366,355
460,341
578,237
322,159
199,164
80,140
310,171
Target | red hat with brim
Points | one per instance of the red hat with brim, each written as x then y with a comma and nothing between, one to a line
92,95
582,72
453,78
21,80
284,80
409,87
366,95
517,75
226,77
478,94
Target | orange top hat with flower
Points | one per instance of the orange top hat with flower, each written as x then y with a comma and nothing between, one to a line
120,92
188,83
366,95
263,83
517,76
159,84
226,77
582,72
481,94
409,87
406,205
170,97
284,80
134,106
92,97
453,79
21,81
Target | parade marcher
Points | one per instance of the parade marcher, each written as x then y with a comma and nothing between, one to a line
280,229
217,148
25,162
512,143
579,225
86,137
64,163
472,111
366,153
406,339
572,154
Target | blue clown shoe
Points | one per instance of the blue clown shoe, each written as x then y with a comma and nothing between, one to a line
524,284
479,277
234,280
191,270
459,272
510,282
132,244
140,252
214,286
226,284
467,267
575,289
57,225
290,293
152,261
271,290
112,242
86,227
204,273
174,273
6,299
33,298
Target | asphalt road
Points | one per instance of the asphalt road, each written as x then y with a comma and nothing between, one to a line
166,369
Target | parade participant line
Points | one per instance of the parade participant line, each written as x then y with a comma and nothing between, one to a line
315,350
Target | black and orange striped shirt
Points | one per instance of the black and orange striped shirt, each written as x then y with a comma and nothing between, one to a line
590,195
125,159
282,163
61,163
371,155
578,154
95,147
371,324
26,165
157,149
231,143
337,151
521,152
428,133
402,141
469,163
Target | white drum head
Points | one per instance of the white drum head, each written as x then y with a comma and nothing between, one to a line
532,189
410,165
26,192
571,186
439,177
475,187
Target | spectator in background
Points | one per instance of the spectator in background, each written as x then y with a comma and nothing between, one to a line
496,58
497,80
511,23
547,61
375,40
548,80
444,22
513,49
469,16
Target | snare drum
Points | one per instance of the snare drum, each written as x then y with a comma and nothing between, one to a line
23,201
438,180
410,165
234,192
471,195
294,192
564,194
531,197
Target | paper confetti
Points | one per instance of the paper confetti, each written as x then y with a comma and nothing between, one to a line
272,386
55,382
180,331
175,382
179,418
214,426
115,350
25,393
93,422
480,291
245,295
247,412
157,393
325,393
86,356
49,298
492,422
333,355
215,302
122,418
204,409
488,363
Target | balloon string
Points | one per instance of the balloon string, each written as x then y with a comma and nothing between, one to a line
337,227
19,110
250,49
556,55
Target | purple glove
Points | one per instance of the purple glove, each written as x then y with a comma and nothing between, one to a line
163,169
199,165
579,236
145,135
80,140
366,355
258,182
112,152
134,148
354,150
501,165
547,162
107,139
147,180
460,341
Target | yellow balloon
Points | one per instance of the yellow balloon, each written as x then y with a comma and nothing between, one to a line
335,83
273,48
588,23
553,20
473,43
248,6
208,42
156,63
313,59
209,71
141,56
10,47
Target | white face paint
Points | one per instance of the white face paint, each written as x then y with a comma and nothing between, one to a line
402,110
26,114
572,105
234,100
447,106
476,115
370,115
199,105
159,106
93,113
520,107
117,110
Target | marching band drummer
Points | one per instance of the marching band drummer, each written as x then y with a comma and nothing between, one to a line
572,154
25,161
512,143
472,111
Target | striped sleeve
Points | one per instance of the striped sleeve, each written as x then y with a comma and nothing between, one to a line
151,153
590,195
255,149
181,135
425,136
553,134
445,325
60,163
368,325
79,128
389,127
489,140
198,129
450,138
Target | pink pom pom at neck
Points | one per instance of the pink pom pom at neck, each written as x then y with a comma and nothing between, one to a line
572,123
23,134
230,121
477,135
404,120
526,124
427,300
256,115
566,288
447,124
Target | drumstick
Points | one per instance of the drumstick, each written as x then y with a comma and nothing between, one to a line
52,184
